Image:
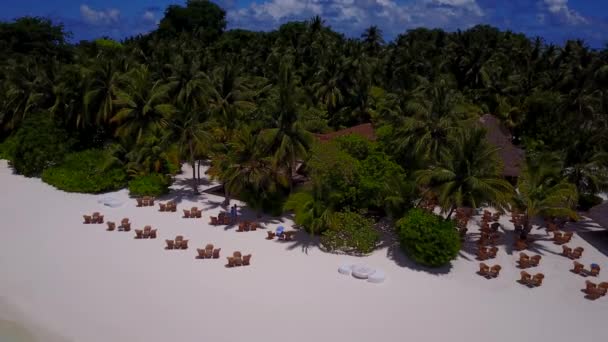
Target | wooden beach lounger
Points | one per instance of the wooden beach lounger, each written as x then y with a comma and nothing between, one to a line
184,244
566,251
139,233
186,213
111,226
482,253
87,219
577,253
213,221
216,253
246,260
231,262
494,271
535,260
525,278
163,207
537,280
140,202
578,267
524,260
170,244
484,270
595,270
201,253
153,234
270,235
520,245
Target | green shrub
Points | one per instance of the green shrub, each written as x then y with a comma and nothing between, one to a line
427,238
350,233
355,145
149,185
309,213
38,144
85,172
588,201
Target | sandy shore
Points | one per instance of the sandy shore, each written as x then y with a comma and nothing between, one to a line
86,284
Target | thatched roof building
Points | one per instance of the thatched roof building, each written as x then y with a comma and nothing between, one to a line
364,130
498,135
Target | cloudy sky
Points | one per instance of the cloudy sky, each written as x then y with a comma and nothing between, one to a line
555,20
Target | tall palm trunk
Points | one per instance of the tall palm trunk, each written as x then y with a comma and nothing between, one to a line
450,213
193,163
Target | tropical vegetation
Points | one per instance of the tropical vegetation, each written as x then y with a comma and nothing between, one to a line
251,103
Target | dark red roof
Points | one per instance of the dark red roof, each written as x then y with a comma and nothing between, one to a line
498,135
364,130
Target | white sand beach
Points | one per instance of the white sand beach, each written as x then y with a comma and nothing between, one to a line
65,281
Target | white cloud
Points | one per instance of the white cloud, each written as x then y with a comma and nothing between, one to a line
355,15
560,8
148,16
107,17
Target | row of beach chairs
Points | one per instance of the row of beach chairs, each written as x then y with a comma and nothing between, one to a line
489,272
208,252
95,218
594,269
572,253
237,259
168,207
246,226
146,233
194,212
145,201
531,281
281,235
595,291
125,225
178,243
526,261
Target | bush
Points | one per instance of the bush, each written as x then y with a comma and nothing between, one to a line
427,238
350,233
588,201
355,145
84,172
149,185
38,144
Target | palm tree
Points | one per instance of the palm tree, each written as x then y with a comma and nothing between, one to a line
248,170
141,103
289,141
102,82
434,117
542,191
469,174
372,39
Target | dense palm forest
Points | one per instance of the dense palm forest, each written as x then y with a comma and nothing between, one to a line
99,115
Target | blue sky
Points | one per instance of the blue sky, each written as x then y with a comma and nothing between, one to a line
555,20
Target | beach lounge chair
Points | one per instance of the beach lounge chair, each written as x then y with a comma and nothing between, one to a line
577,253
87,219
177,244
193,212
153,234
199,214
482,253
237,254
578,267
253,226
147,228
484,270
241,227
186,213
230,262
238,261
162,207
170,244
557,237
208,253
179,238
216,253
525,278
111,226
567,237
126,227
184,244
537,280
566,251
535,260
146,234
139,233
247,226
524,260
201,253
589,286
124,221
151,201
140,202
246,260
227,220
495,270
595,270
100,219
270,235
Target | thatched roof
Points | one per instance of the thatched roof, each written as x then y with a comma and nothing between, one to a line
498,135
364,130
599,214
